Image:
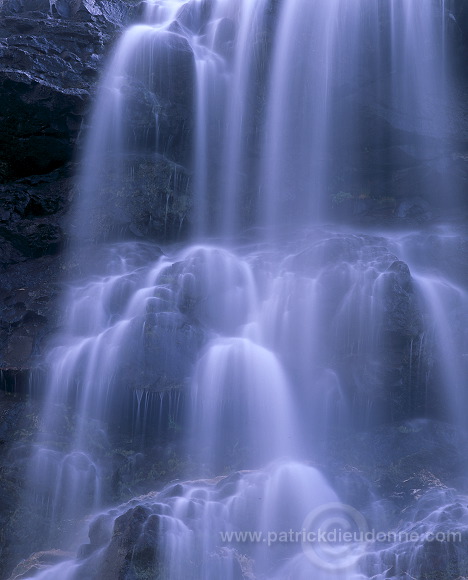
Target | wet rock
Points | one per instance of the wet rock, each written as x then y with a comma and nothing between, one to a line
100,533
446,250
29,314
416,210
225,37
172,345
18,425
142,188
162,352
431,544
401,462
30,214
243,566
37,563
443,560
151,200
158,97
195,15
132,551
359,279
51,55
44,88
401,314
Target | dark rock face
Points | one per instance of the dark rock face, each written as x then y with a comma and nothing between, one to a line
49,63
157,366
139,185
132,546
28,316
148,199
157,103
402,460
18,425
31,238
50,59
174,87
30,210
445,560
376,342
172,344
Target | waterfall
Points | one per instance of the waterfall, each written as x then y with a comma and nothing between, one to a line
315,110
261,348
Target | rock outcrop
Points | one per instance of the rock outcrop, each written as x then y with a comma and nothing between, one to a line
51,55
50,59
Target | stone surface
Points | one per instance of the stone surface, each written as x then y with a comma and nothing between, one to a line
395,466
51,56
37,563
32,236
195,15
30,211
18,424
375,365
150,200
50,59
28,315
131,550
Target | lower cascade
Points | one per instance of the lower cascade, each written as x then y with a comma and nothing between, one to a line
259,394
283,395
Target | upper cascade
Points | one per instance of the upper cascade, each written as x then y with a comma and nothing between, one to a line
263,113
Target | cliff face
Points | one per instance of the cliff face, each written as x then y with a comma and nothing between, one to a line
50,59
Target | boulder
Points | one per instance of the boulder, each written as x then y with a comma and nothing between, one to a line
370,320
133,548
195,15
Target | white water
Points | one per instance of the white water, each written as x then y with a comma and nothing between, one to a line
253,336
324,52
275,123
262,383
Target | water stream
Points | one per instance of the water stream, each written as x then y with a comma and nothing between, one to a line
262,346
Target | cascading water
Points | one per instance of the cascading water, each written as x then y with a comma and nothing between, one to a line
277,133
259,350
